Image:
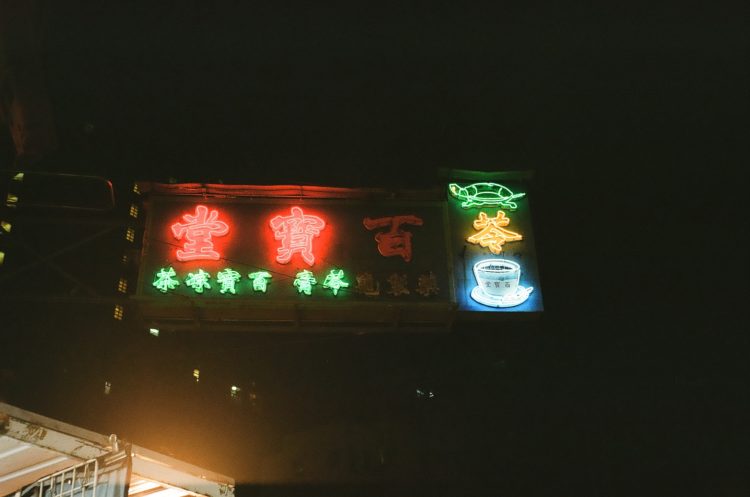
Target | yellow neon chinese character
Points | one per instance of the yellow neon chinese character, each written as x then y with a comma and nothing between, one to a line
491,233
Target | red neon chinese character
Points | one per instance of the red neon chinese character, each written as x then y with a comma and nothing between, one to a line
395,241
296,233
197,231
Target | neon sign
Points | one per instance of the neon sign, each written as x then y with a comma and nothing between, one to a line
198,231
334,281
228,279
498,283
165,280
260,280
484,195
304,282
198,281
251,253
491,234
296,233
394,241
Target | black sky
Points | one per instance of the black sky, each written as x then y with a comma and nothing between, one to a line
632,116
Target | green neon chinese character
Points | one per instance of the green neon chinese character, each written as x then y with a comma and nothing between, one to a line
228,278
260,280
304,282
165,280
334,281
198,281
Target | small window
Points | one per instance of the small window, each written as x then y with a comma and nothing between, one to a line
234,392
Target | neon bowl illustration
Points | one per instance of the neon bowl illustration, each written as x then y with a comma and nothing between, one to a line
497,277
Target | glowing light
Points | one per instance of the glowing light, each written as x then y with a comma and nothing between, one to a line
11,200
198,281
133,211
119,312
197,375
296,233
107,388
2,257
498,283
141,486
492,235
136,189
427,284
334,281
367,285
6,226
165,280
130,234
234,392
228,279
304,282
398,284
260,280
484,195
18,177
198,231
394,241
153,331
122,285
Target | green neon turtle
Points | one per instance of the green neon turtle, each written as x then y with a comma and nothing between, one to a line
485,195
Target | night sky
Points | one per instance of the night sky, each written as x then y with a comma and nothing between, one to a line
633,119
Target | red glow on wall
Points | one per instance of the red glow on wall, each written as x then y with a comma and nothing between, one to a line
197,232
296,233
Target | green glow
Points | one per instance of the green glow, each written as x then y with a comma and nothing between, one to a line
304,282
334,281
228,279
165,280
198,281
260,280
484,195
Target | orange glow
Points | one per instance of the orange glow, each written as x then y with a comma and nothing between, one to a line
491,233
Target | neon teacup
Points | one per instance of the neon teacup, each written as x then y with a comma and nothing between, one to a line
497,277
